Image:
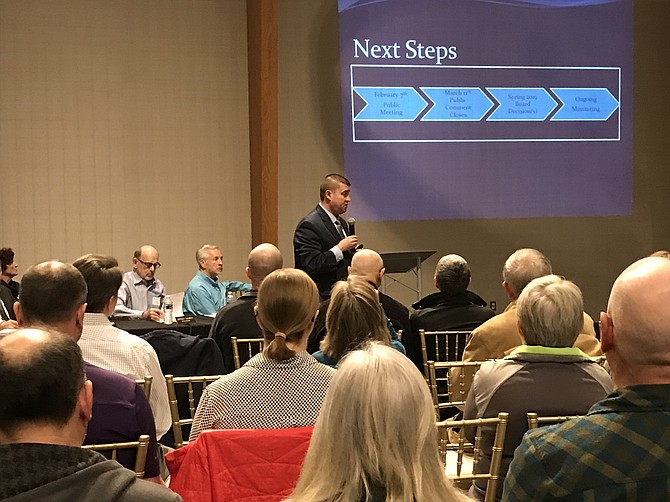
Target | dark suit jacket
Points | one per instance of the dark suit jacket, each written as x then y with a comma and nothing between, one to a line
235,319
314,236
8,299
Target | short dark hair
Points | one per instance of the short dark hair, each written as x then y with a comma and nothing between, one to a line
103,279
40,385
51,292
6,258
331,182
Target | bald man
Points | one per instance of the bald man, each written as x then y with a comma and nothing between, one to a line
47,403
619,450
237,319
140,287
368,264
452,307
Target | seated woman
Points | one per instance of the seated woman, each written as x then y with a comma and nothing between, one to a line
354,316
283,386
375,439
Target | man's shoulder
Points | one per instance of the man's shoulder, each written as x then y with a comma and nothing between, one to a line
110,379
388,301
314,217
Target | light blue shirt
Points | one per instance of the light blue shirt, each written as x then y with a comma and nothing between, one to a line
205,296
135,295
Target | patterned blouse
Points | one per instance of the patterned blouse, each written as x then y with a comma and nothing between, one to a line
265,394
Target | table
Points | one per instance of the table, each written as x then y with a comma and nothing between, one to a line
199,327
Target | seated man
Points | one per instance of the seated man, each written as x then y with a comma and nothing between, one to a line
205,295
619,451
140,287
452,308
499,335
237,319
547,375
111,348
369,265
53,295
46,405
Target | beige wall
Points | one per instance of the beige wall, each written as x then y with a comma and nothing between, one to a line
591,251
124,123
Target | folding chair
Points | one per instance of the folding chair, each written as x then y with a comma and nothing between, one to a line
448,387
252,345
441,346
194,393
462,447
141,446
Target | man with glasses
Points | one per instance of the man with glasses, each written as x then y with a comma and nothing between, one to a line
140,287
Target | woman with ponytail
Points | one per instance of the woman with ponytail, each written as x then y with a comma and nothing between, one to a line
283,386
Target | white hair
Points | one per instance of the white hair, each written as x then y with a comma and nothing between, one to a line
523,266
376,431
201,253
550,311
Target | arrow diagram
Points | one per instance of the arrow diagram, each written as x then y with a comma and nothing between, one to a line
521,104
456,104
585,104
402,104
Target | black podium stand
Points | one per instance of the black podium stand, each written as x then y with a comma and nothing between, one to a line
402,262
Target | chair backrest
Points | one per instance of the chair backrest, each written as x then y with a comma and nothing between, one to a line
195,385
252,346
440,346
141,446
535,421
146,383
447,381
462,446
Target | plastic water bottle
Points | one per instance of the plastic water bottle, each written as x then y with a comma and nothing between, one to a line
168,308
230,297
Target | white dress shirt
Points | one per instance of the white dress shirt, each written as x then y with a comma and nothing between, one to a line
106,346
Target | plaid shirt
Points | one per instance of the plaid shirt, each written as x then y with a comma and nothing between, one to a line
619,451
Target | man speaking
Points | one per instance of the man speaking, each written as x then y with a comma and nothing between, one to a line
323,243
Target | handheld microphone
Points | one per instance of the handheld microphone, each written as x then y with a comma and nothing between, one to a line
352,226
351,222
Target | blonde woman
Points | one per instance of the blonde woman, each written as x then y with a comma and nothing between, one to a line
375,439
283,386
354,317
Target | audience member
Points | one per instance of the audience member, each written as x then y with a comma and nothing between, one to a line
140,287
283,386
619,451
53,295
375,438
111,348
237,319
369,265
354,317
498,336
10,269
452,308
205,295
46,405
546,375
323,243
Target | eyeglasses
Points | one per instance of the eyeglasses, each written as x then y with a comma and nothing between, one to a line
156,265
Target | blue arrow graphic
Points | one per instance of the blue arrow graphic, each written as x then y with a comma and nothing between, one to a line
585,104
456,104
390,103
521,104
